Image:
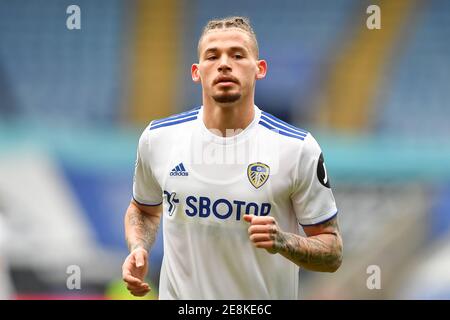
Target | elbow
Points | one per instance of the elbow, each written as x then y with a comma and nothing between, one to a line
334,266
336,262
330,266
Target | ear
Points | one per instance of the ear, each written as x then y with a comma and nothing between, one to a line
195,73
262,69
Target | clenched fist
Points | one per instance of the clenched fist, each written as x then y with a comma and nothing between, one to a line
264,232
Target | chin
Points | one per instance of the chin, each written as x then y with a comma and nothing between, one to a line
227,98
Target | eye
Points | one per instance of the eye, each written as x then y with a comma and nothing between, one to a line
238,56
211,58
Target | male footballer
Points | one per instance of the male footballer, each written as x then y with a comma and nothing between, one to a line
233,184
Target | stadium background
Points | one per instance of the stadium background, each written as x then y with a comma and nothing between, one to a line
74,102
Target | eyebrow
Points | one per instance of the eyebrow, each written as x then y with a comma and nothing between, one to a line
235,48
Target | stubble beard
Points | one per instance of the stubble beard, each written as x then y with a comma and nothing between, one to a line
226,97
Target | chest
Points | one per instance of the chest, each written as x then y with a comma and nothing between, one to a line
209,182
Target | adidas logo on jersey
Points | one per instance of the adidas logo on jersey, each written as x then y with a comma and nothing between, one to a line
179,170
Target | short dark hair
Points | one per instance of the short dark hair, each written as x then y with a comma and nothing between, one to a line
242,23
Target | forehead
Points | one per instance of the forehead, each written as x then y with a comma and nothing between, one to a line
225,38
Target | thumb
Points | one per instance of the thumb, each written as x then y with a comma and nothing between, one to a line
140,258
248,217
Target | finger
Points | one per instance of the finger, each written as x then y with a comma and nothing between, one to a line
129,262
140,258
263,220
130,259
145,286
260,228
248,217
133,288
260,237
140,292
264,244
138,288
129,279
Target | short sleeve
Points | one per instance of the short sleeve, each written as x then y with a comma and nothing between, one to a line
146,189
312,198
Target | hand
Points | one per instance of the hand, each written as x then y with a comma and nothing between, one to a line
264,232
134,270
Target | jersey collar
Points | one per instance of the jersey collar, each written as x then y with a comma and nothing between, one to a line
233,139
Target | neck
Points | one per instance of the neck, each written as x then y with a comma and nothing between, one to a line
227,118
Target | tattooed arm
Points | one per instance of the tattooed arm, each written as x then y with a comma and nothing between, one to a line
321,250
141,226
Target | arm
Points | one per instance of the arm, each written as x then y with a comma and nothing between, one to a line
320,251
141,226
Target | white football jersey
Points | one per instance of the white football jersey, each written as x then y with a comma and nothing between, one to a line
208,182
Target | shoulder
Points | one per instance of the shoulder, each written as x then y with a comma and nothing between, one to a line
281,128
295,137
157,129
159,126
174,120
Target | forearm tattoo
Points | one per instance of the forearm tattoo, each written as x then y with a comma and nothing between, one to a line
319,253
145,230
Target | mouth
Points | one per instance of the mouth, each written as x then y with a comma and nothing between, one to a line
225,83
224,80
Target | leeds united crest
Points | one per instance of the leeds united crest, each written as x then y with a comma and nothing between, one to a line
258,173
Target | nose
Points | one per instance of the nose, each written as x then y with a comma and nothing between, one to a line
224,64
